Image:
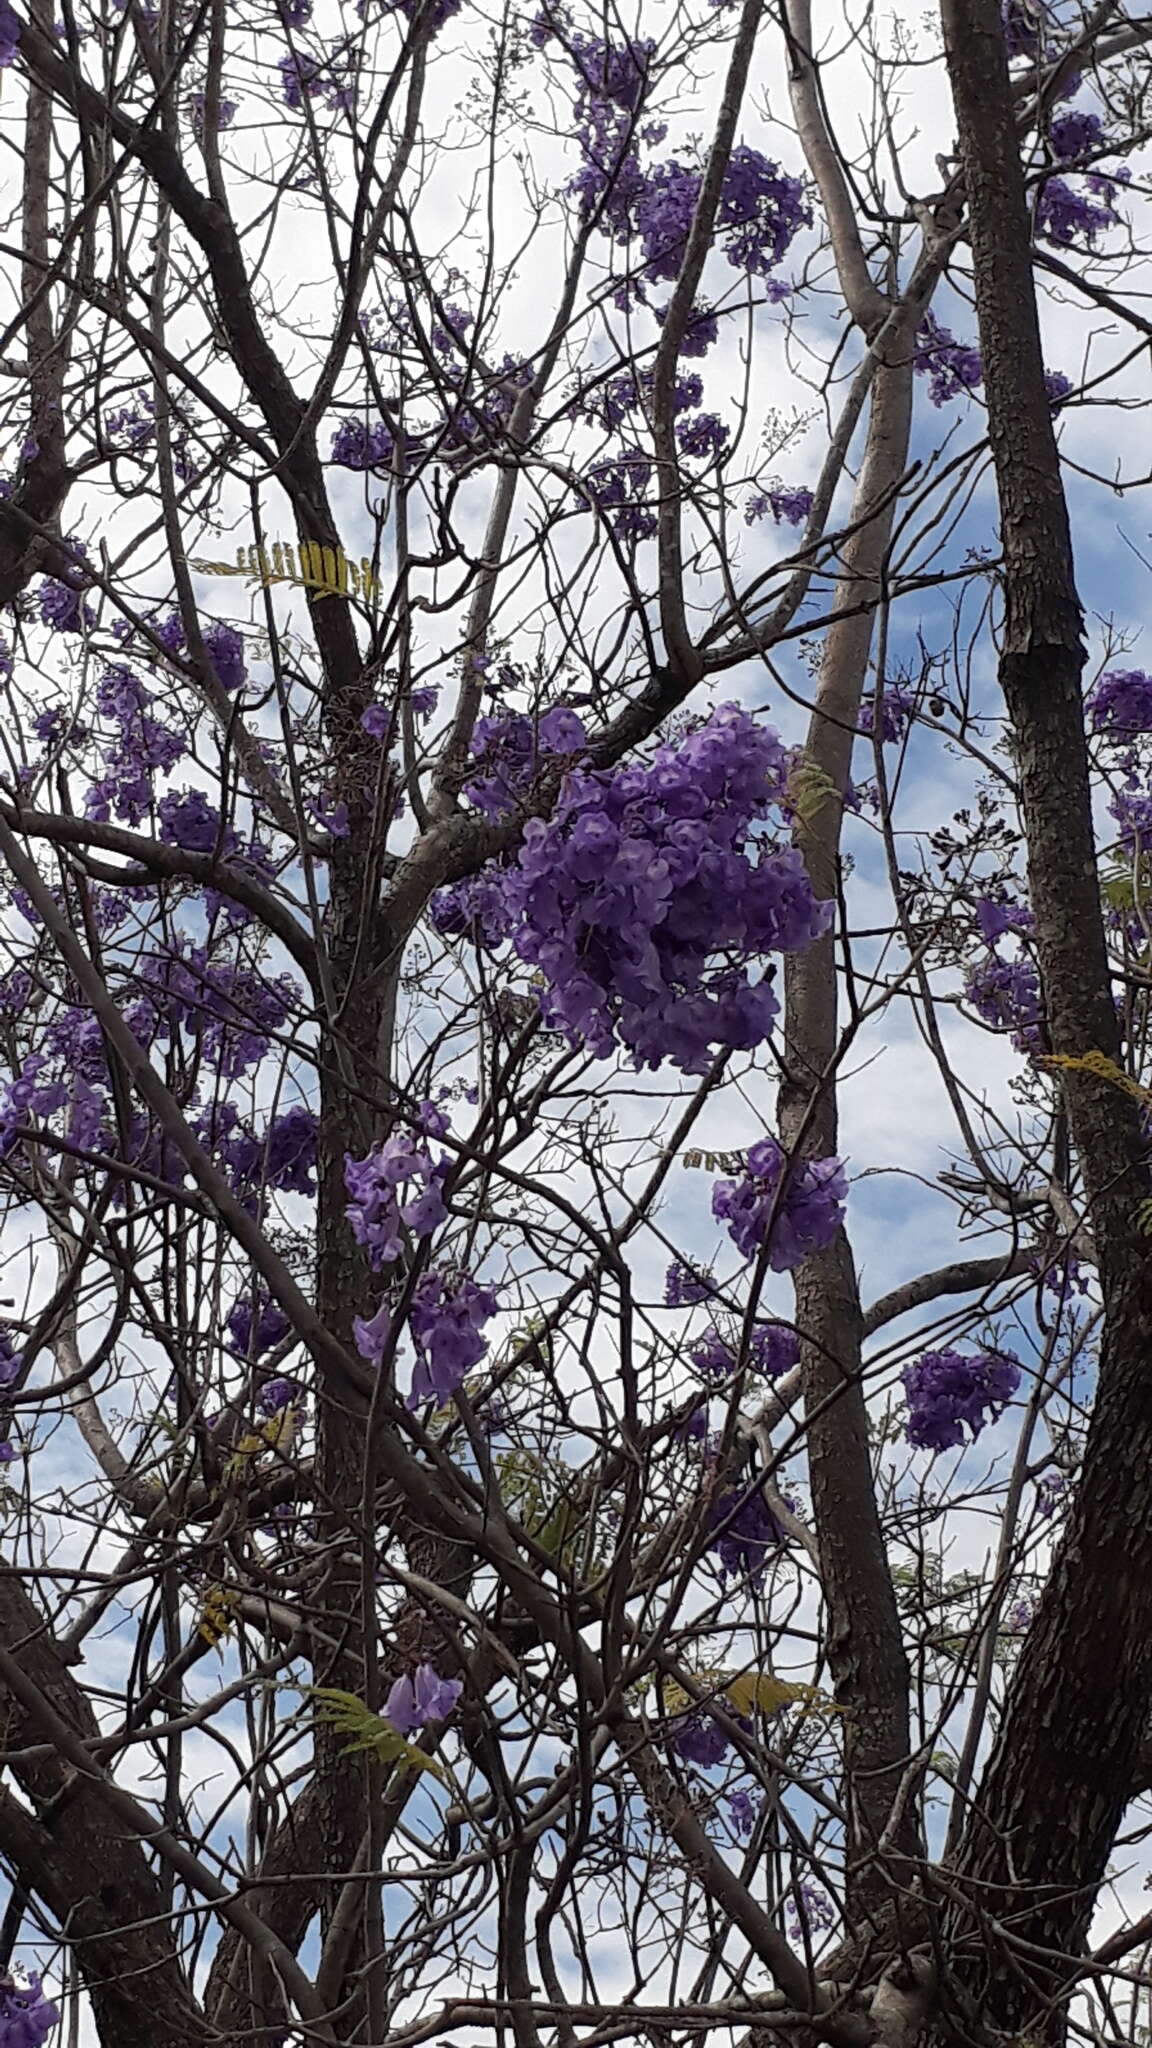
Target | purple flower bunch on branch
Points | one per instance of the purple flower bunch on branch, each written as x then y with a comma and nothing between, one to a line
394,1187
643,899
949,1391
796,1212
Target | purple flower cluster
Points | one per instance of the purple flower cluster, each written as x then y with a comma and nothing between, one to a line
995,917
1074,134
802,1211
188,820
132,426
644,897
447,1319
685,1286
9,35
1067,217
358,445
1006,994
745,1532
143,747
26,2016
507,751
792,504
474,909
810,1911
424,1696
701,331
381,1203
256,1323
1120,704
761,210
280,1158
698,1738
897,710
228,1009
617,486
774,1349
704,438
951,366
950,1390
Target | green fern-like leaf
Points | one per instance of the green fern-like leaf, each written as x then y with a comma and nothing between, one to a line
365,1730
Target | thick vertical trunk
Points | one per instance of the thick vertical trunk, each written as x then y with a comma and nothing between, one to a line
1056,1786
865,1644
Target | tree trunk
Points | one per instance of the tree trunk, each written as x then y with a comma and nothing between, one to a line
1056,1786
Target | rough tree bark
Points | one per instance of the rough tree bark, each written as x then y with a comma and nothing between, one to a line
1060,1776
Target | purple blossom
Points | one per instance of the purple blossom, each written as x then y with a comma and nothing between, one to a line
424,701
995,918
231,1010
703,438
810,1911
774,1350
9,35
712,1356
617,486
423,1697
27,2017
277,1394
698,1739
1056,388
1076,133
1066,217
474,908
742,1807
62,606
1120,704
897,709
188,820
951,366
745,1532
803,1218
380,1204
226,112
133,425
1005,993
644,897
256,1324
10,1359
358,445
377,721
225,650
1023,21
701,332
685,1286
447,1319
784,502
950,1390
1052,1494
507,751
1021,1615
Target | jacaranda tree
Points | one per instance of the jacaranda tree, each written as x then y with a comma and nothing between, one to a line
561,811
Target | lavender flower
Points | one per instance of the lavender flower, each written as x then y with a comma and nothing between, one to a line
685,1286
950,366
256,1324
792,504
378,1207
26,2016
1120,704
950,1390
802,1219
9,35
423,1697
447,1318
640,895
358,445
698,1739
